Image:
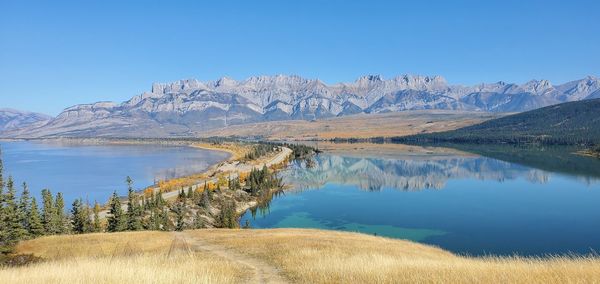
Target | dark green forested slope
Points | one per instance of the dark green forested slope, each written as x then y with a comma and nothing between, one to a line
568,123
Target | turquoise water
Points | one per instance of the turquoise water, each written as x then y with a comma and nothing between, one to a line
93,172
466,204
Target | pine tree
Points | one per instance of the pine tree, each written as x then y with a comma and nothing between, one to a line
205,202
36,228
1,172
5,246
116,220
97,227
134,218
198,221
24,208
227,217
234,183
179,210
3,225
154,220
47,211
77,214
13,228
60,221
165,222
190,193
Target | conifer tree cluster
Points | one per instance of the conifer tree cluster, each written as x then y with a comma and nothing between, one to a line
262,181
20,216
260,150
234,183
154,213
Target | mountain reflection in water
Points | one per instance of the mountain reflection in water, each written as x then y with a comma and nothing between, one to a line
484,200
411,174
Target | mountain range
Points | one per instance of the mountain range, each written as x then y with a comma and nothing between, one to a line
11,119
188,107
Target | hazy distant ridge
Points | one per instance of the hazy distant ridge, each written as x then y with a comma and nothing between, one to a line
11,119
190,106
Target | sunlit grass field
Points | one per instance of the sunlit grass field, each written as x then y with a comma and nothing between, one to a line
299,255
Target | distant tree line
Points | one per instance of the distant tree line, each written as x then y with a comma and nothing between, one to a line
260,150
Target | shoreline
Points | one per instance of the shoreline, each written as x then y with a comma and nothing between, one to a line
231,167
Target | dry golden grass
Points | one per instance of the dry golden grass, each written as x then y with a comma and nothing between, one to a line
313,256
132,257
357,126
97,245
195,268
300,255
237,150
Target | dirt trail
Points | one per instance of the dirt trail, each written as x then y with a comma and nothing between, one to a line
261,272
234,167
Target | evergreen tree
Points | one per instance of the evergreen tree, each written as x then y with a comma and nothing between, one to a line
59,225
97,227
227,216
190,193
134,212
205,201
234,183
1,172
3,225
159,202
24,208
116,220
165,222
87,217
179,210
78,217
198,221
13,228
47,211
36,227
154,220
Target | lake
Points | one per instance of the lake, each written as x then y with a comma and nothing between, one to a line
508,201
93,172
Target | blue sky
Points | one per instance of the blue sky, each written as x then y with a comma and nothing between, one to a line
54,54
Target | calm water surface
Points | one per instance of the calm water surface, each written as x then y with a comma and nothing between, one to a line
468,204
94,172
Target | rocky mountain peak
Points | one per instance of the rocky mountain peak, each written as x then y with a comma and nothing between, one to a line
225,82
537,86
189,105
369,78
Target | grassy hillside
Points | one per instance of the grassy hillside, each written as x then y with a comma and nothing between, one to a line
357,126
569,123
280,255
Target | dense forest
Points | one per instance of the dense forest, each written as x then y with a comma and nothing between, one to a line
572,123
